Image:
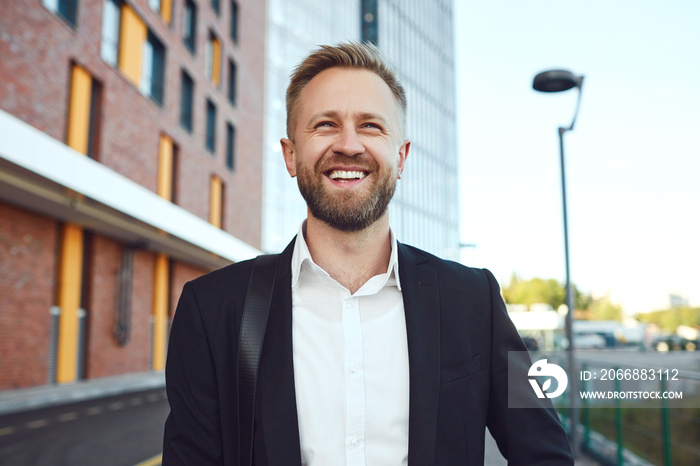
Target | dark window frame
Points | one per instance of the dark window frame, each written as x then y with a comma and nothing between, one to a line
232,78
210,133
234,21
230,146
186,101
189,35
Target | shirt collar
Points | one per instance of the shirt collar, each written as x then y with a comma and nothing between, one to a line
301,254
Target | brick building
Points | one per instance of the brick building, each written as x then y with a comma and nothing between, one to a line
130,163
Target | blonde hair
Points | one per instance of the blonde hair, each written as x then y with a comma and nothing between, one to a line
344,55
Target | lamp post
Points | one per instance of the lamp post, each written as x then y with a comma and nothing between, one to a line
559,81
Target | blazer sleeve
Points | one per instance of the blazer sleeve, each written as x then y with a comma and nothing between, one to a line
193,427
525,436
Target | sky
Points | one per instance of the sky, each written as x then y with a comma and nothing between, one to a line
632,161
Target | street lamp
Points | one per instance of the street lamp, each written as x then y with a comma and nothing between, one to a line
559,81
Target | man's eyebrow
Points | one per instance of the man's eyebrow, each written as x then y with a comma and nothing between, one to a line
331,114
335,115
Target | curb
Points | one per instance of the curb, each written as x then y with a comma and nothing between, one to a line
27,399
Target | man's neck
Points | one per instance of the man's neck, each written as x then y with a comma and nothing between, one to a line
351,258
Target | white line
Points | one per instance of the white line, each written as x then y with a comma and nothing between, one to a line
36,424
7,431
153,397
136,401
68,417
94,410
116,405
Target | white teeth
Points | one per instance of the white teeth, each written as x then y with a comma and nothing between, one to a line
347,175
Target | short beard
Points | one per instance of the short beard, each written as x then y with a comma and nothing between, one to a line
345,212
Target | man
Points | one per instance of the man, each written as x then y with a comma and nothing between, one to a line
375,352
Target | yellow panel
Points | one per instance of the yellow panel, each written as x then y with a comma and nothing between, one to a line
160,311
215,201
132,35
69,284
165,167
216,61
166,10
79,110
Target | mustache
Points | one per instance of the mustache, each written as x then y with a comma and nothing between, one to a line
338,161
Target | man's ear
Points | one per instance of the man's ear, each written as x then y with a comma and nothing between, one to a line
403,154
289,153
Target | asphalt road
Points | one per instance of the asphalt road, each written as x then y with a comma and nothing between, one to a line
125,430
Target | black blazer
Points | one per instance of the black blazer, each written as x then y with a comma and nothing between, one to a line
458,334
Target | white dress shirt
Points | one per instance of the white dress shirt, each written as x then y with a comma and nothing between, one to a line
350,365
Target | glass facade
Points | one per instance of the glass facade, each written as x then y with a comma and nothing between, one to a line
416,37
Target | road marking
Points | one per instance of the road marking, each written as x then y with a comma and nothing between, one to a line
7,431
36,424
153,397
68,417
94,410
155,461
116,405
136,401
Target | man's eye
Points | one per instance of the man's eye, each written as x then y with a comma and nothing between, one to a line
371,125
324,124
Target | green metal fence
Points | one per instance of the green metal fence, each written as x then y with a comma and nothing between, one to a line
621,432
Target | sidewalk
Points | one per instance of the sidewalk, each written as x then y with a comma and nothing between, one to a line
25,399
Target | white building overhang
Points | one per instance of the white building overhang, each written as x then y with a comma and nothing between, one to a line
44,175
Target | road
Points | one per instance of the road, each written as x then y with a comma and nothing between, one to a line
125,430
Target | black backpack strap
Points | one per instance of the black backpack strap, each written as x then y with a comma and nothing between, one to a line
253,323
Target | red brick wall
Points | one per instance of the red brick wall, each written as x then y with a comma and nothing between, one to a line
27,263
37,48
104,355
180,274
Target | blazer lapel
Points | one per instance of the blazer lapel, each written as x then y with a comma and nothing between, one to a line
419,285
276,394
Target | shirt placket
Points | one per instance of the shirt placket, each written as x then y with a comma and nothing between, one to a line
354,383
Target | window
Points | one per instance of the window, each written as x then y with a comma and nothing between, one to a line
370,23
234,21
186,101
230,147
128,44
232,82
66,9
211,126
213,59
83,112
167,153
216,201
152,69
164,8
109,48
189,25
216,6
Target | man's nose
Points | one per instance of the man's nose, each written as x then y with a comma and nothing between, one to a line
348,143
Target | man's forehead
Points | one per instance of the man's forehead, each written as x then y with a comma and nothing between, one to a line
347,89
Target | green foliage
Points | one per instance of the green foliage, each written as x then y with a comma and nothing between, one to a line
549,291
603,309
534,291
670,319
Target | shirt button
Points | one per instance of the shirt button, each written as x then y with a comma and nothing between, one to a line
350,304
355,443
353,369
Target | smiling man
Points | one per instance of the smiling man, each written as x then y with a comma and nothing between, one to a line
375,353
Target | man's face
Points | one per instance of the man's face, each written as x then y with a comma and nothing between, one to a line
347,151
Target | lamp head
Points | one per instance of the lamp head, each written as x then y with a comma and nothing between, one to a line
556,81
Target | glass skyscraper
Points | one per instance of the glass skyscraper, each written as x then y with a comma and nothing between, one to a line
416,37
